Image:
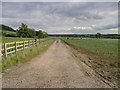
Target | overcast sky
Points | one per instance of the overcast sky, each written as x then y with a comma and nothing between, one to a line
63,17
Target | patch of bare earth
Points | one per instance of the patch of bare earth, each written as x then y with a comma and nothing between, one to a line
107,70
56,68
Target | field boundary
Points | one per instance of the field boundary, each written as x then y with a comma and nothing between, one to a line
14,47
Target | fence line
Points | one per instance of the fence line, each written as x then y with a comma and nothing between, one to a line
13,47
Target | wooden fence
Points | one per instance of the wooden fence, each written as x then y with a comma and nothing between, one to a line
13,47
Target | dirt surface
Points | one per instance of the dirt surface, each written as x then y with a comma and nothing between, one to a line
56,68
107,70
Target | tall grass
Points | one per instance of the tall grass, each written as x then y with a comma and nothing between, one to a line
25,55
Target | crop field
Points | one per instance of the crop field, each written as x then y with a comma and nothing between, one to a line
14,39
107,48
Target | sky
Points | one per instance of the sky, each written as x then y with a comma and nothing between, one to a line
63,17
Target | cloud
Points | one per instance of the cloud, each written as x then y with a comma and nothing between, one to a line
82,28
62,17
60,1
94,29
107,27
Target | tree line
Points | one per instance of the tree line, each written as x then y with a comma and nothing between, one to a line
25,31
97,35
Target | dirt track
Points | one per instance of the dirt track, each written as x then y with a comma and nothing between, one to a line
56,68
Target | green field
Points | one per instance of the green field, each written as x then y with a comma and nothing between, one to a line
107,48
14,39
8,32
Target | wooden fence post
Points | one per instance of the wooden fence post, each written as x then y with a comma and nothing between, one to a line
5,50
23,45
39,41
28,43
15,47
33,42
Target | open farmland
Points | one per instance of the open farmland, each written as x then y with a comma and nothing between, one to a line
54,68
62,56
107,48
61,45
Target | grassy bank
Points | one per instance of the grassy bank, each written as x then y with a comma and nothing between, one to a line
25,55
107,48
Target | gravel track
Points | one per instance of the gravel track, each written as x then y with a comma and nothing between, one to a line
55,68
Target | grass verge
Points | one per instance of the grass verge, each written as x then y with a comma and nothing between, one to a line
25,55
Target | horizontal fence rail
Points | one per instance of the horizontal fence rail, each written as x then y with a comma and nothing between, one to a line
13,47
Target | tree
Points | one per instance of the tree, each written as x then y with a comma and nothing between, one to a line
98,35
39,34
31,32
45,34
22,32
